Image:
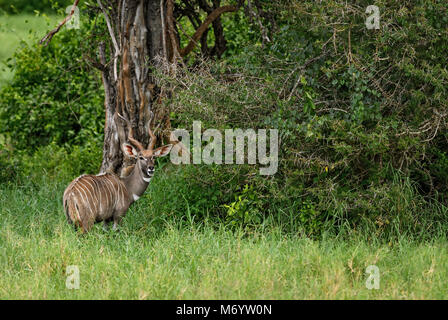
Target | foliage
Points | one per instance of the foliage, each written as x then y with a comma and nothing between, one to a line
9,166
246,209
53,97
361,113
362,164
29,6
15,29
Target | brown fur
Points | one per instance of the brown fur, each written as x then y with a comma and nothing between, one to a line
106,197
89,199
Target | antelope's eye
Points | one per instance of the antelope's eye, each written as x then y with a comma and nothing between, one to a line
141,158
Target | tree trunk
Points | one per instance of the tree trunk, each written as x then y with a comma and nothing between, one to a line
142,38
138,44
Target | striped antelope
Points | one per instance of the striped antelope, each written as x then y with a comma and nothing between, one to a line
106,197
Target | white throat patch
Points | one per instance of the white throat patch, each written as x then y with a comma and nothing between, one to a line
136,197
146,179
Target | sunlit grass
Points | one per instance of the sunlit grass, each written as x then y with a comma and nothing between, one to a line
157,255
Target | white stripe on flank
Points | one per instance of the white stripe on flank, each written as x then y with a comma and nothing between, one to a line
113,191
122,189
79,192
97,192
119,192
75,207
80,185
109,192
92,193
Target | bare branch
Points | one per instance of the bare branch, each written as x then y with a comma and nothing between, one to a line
112,35
210,18
46,40
171,32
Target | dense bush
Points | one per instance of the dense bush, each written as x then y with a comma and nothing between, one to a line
361,113
52,111
53,96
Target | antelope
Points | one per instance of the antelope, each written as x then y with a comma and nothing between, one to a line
106,197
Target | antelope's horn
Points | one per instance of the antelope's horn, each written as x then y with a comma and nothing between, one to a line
130,134
153,140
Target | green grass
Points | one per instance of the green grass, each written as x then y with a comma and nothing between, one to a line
161,254
15,29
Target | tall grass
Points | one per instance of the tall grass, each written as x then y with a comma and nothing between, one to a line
165,251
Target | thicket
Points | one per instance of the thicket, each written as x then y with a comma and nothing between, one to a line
52,107
361,115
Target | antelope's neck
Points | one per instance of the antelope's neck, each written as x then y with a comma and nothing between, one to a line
136,183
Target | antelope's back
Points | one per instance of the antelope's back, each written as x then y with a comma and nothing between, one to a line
91,198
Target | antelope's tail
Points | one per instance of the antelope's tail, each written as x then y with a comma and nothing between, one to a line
72,213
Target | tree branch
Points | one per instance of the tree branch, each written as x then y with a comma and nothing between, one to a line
112,35
210,18
171,32
46,40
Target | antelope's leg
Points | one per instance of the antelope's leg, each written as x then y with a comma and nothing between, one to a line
115,227
86,226
117,219
107,223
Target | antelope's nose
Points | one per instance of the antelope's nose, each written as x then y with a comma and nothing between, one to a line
151,169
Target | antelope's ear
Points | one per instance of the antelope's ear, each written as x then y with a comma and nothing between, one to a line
129,150
162,151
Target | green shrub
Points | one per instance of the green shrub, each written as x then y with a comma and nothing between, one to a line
9,166
53,97
246,209
60,162
52,113
361,114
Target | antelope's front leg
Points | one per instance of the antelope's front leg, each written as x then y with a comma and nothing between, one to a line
107,223
117,219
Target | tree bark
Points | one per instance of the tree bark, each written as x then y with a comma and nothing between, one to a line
143,38
138,45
